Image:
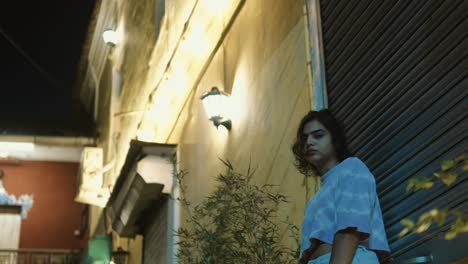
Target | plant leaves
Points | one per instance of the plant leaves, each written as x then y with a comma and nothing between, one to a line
447,165
423,226
450,235
403,232
236,222
462,157
407,222
441,216
448,178
410,185
227,163
419,183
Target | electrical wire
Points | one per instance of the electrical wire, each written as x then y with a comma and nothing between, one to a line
30,60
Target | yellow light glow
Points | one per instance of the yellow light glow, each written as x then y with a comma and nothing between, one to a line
195,40
224,132
16,146
239,99
155,117
165,101
146,134
203,31
176,80
157,109
219,139
214,6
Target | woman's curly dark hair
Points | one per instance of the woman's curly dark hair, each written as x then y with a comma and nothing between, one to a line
326,118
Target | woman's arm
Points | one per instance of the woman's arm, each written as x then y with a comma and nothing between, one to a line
345,243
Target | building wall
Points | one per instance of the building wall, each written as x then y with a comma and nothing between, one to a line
262,65
121,90
55,215
125,70
145,38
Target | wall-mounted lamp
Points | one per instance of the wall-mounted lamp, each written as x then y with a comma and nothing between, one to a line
110,37
215,103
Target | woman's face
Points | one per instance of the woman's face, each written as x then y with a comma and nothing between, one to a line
318,147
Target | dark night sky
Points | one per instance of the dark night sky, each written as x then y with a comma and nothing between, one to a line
51,33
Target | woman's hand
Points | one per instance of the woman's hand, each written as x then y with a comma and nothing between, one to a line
345,243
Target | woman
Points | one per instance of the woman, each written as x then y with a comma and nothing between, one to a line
343,220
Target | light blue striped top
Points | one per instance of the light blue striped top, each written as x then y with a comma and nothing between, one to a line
347,198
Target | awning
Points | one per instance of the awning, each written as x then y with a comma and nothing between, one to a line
147,174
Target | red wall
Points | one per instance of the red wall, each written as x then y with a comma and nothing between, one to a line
54,215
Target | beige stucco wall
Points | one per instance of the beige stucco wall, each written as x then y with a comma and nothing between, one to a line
262,64
129,59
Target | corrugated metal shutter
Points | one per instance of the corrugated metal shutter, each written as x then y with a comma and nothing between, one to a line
155,248
396,76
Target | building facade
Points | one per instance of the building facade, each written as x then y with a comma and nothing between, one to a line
147,87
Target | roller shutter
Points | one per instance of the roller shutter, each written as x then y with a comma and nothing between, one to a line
155,248
396,74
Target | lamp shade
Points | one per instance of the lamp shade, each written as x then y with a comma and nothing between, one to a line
110,37
215,103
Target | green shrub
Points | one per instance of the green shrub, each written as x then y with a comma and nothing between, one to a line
237,223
